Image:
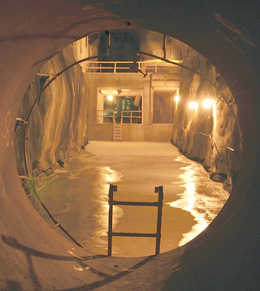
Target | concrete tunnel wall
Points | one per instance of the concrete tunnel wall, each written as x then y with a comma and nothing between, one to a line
226,255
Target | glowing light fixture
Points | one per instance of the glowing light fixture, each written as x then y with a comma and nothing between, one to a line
177,98
108,91
207,103
110,97
193,105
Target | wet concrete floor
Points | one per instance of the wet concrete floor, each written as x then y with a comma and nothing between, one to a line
77,196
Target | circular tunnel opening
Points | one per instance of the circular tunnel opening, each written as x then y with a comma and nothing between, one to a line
33,256
157,89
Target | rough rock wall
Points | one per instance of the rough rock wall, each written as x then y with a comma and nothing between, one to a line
56,125
209,135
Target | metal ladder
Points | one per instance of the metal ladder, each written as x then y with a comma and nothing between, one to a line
117,131
158,204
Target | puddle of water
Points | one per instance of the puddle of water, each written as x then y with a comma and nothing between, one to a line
77,196
78,199
202,198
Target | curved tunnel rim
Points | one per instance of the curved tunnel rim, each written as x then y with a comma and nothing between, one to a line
55,76
243,159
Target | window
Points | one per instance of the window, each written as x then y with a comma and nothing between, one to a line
162,107
126,109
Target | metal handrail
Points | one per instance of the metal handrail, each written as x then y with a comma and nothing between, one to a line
113,66
106,116
126,66
131,116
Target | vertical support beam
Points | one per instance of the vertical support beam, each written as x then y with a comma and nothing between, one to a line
150,99
146,100
112,188
159,190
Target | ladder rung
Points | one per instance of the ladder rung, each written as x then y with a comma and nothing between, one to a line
156,235
134,234
117,132
135,203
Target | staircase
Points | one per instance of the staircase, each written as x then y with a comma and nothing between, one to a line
117,131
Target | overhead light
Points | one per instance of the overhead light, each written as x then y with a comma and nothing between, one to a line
110,97
193,105
109,91
230,149
207,103
177,98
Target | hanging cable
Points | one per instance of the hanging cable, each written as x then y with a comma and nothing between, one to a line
20,121
53,77
56,224
108,34
152,56
164,46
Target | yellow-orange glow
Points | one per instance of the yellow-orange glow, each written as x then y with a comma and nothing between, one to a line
191,200
106,176
110,97
207,103
188,203
109,91
177,98
214,113
193,105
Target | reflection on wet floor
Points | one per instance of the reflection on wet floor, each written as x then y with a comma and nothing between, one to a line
77,196
202,198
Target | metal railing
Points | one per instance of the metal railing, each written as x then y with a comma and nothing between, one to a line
147,66
110,114
113,67
126,115
131,115
112,202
